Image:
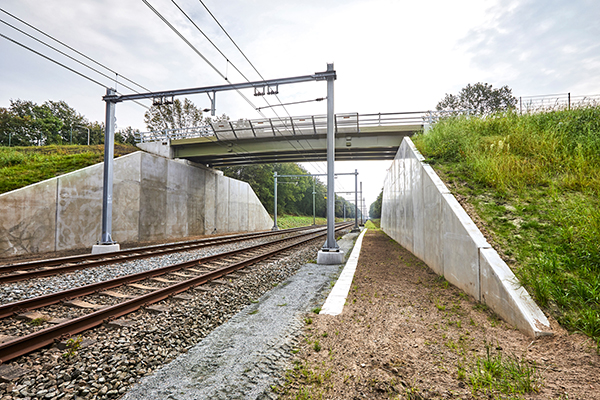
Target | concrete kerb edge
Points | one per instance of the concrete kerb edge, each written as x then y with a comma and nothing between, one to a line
334,305
502,291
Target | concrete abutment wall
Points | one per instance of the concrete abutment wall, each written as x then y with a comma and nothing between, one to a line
154,198
420,213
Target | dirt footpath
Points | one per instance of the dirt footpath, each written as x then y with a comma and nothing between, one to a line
405,333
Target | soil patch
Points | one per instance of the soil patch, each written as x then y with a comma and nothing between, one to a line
407,333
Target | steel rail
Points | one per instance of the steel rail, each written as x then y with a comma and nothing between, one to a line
94,260
44,337
9,309
84,257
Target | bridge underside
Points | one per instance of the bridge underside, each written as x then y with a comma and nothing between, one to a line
351,143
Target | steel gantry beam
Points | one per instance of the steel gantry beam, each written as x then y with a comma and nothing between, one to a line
260,87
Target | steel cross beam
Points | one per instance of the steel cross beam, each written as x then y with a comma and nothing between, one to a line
112,98
317,76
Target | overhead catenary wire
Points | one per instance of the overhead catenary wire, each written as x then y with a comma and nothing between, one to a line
162,18
237,47
54,61
181,36
210,41
318,167
65,54
62,53
73,49
294,102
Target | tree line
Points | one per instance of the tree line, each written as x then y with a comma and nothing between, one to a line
294,195
26,123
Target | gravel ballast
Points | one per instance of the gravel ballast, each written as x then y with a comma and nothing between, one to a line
113,357
37,287
244,357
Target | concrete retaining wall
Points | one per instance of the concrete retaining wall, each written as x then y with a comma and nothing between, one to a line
154,198
419,212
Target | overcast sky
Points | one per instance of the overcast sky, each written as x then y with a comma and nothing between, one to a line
389,55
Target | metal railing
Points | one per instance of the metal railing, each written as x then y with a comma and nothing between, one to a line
174,134
561,101
289,126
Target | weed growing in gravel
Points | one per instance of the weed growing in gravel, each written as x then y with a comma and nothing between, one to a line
39,321
494,374
412,393
310,382
439,305
253,312
308,320
73,346
316,310
317,346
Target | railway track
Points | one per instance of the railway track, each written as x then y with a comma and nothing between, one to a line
117,297
17,272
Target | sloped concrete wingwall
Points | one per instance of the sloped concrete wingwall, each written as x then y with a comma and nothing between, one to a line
153,198
420,213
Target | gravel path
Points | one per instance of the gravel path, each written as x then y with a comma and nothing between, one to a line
243,358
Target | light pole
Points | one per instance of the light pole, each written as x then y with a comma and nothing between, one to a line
275,227
275,176
361,206
314,208
356,228
107,244
330,245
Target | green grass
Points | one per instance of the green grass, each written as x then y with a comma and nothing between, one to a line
22,166
373,224
296,221
495,375
535,181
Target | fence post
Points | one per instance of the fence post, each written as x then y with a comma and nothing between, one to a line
520,105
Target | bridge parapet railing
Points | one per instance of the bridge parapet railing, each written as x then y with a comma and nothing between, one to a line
166,135
292,126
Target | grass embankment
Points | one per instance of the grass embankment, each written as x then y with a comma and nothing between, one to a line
535,181
296,221
22,166
373,224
